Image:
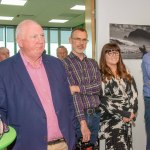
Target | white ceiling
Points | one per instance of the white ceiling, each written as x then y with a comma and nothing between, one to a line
44,10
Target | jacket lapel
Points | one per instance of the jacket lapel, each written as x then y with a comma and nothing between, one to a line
20,69
50,68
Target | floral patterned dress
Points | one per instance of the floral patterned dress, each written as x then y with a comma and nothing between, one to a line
119,100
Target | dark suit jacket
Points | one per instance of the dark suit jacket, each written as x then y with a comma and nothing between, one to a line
21,108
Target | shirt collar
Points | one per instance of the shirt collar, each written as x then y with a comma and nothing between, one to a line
27,62
72,55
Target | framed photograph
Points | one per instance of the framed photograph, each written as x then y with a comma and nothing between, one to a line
133,40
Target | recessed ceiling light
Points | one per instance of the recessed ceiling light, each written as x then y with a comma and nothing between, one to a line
14,2
78,7
6,18
58,21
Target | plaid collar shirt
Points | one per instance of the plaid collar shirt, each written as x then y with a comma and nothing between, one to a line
86,75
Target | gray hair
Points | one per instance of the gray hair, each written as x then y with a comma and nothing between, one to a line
63,47
4,50
19,30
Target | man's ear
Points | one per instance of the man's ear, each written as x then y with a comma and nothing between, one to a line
19,41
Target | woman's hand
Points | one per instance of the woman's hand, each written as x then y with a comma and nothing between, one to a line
132,116
125,119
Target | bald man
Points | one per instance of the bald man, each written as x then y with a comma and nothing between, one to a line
62,52
37,102
4,53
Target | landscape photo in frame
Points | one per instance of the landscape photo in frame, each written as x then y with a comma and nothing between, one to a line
133,40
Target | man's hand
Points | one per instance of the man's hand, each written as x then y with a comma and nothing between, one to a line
3,128
86,134
74,89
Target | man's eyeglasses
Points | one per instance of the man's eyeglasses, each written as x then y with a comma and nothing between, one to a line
80,40
112,52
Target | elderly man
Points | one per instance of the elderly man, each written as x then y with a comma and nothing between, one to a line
4,53
37,102
62,52
85,85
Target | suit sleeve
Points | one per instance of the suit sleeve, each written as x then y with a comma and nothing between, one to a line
3,104
70,100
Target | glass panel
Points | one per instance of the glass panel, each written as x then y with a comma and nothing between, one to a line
88,50
53,41
2,37
17,48
10,40
68,46
46,40
10,34
64,37
53,47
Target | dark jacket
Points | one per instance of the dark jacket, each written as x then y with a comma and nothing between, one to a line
21,108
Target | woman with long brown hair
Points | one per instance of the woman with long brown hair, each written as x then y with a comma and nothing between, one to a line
119,103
